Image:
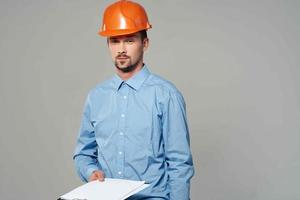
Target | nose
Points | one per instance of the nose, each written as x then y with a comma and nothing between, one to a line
122,48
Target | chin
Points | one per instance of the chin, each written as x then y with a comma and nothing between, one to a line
123,66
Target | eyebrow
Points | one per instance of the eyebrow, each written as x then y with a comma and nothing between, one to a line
123,37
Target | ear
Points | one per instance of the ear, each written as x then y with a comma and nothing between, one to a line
145,44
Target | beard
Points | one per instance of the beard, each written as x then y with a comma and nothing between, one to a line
131,67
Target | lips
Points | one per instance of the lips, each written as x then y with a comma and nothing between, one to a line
122,58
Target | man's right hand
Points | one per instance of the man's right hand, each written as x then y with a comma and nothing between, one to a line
97,175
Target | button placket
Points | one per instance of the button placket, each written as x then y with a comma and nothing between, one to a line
122,101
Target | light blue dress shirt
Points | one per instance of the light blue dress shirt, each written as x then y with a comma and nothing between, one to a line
137,129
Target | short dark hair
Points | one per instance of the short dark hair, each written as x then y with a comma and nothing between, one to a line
143,34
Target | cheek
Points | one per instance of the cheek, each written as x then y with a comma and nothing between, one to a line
137,51
112,52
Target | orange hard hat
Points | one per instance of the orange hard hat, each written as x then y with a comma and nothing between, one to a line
124,17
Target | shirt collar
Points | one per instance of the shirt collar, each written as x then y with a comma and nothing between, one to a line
135,81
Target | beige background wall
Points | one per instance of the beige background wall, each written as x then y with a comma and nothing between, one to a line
236,62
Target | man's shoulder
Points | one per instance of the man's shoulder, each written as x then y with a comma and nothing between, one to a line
162,83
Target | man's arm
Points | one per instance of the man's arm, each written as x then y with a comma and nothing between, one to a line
85,155
177,148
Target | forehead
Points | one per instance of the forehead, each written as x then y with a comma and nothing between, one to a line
121,37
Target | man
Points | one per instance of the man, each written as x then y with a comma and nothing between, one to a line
134,125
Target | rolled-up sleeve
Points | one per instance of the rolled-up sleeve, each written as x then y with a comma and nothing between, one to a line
177,147
85,155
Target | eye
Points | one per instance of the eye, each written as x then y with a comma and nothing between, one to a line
114,41
130,41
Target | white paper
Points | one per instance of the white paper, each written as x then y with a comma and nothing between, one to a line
136,191
110,189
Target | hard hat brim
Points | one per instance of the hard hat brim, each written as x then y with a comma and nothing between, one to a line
111,33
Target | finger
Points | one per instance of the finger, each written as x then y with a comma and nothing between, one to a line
100,176
93,177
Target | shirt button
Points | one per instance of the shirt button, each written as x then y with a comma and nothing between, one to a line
119,173
125,97
122,115
121,133
120,152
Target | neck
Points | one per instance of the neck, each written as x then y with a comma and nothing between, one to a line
127,75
